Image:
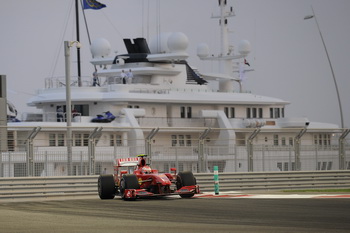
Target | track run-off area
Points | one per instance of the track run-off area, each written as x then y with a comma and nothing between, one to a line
226,212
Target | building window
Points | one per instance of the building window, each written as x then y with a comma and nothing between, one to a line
293,166
283,141
78,139
52,139
226,112
183,112
81,139
11,140
115,140
322,139
248,113
291,141
60,140
233,114
275,139
271,113
279,166
173,140
229,112
56,139
325,141
254,112
188,140
189,112
277,113
260,113
181,140
329,166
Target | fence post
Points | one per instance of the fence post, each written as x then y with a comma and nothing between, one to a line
30,151
202,162
1,166
148,144
342,149
316,157
250,149
3,115
297,148
91,149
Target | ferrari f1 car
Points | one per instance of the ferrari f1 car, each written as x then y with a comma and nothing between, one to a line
133,178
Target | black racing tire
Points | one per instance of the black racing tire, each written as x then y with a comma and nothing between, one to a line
106,187
128,181
185,179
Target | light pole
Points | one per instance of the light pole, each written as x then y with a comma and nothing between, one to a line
330,64
67,46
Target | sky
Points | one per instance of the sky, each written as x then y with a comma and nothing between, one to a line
288,56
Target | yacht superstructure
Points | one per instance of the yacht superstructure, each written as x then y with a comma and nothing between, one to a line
166,108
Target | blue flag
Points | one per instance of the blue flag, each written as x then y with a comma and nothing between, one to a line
93,4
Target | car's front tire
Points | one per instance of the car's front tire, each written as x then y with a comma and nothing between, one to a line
128,181
185,179
106,187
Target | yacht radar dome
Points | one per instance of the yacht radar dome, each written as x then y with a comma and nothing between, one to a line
168,42
202,50
244,47
177,42
100,48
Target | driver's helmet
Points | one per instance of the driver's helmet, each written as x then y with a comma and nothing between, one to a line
146,170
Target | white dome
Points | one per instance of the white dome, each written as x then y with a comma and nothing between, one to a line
169,42
244,47
177,41
202,50
100,48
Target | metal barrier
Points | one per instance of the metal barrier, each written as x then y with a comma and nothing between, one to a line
47,187
86,186
276,180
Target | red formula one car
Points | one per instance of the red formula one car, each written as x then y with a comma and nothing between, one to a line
133,178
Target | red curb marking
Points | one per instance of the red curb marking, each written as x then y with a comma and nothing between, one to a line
336,196
213,196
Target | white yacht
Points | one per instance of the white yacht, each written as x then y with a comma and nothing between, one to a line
169,110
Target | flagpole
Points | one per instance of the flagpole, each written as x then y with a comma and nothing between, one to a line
78,39
87,30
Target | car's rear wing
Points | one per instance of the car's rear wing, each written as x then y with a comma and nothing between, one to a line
127,162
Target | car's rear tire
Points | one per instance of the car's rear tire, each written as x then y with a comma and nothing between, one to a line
185,179
128,181
106,187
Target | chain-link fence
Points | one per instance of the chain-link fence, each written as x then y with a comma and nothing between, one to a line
43,151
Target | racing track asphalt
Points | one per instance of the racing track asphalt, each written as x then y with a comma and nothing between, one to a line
177,215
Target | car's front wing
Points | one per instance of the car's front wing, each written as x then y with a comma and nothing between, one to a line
137,193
